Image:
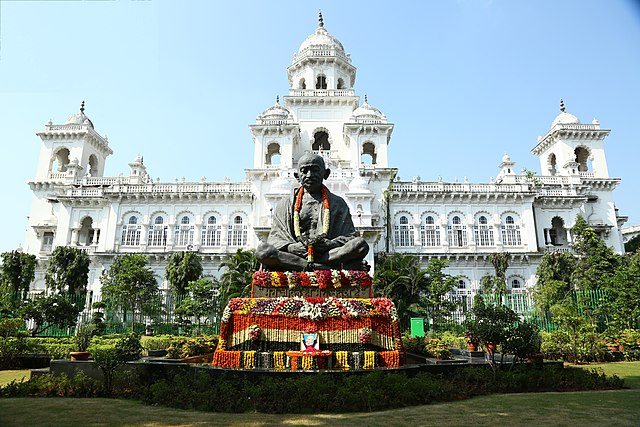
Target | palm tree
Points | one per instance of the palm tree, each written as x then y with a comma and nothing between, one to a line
236,280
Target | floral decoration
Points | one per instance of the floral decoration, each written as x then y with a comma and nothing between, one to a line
322,279
254,332
364,335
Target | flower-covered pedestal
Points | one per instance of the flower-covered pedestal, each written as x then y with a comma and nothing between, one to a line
352,331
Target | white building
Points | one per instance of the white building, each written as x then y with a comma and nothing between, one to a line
75,204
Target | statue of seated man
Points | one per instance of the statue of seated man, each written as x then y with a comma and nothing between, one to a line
313,230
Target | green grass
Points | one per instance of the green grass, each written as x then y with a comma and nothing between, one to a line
7,376
586,409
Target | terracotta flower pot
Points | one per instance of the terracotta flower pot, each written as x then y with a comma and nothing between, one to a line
79,355
490,347
472,346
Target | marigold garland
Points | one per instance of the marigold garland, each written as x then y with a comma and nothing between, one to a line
307,363
278,360
249,359
226,359
369,360
326,219
342,360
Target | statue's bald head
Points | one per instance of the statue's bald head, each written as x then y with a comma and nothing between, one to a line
307,158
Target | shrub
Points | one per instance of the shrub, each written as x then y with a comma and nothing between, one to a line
10,327
438,348
413,344
159,342
182,347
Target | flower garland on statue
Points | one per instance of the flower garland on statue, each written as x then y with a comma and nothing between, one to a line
325,220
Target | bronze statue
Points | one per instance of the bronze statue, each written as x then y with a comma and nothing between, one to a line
314,230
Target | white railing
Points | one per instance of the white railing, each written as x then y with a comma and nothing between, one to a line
321,92
587,175
433,187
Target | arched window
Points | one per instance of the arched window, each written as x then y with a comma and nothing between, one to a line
302,84
92,166
340,83
273,154
582,158
211,232
368,153
430,232
557,232
184,232
60,161
457,232
552,165
403,232
321,82
131,232
510,232
237,235
47,241
87,235
157,232
483,232
320,141
516,286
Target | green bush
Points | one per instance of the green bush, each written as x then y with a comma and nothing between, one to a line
10,348
159,342
10,327
413,344
438,348
181,347
55,348
587,346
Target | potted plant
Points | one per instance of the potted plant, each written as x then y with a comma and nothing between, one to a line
472,340
84,333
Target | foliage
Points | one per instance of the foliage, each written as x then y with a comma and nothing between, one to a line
625,292
181,347
97,317
200,301
523,340
554,279
399,277
413,344
497,284
50,310
183,268
438,348
55,348
16,274
10,348
438,286
159,342
596,262
633,244
109,357
84,333
561,345
130,284
10,327
68,270
236,280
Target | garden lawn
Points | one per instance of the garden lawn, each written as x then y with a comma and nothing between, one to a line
7,376
587,409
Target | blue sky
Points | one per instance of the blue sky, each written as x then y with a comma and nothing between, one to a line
178,82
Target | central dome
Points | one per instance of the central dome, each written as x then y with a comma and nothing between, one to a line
321,39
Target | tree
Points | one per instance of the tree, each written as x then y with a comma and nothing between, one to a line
497,284
625,292
554,279
400,278
439,286
48,311
236,279
68,270
633,244
130,284
182,268
16,274
596,262
200,302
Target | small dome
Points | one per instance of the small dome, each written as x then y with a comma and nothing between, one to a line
275,112
321,39
506,158
79,118
367,112
565,118
358,185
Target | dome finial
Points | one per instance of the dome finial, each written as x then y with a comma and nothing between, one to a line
562,105
82,107
320,20
365,99
277,99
